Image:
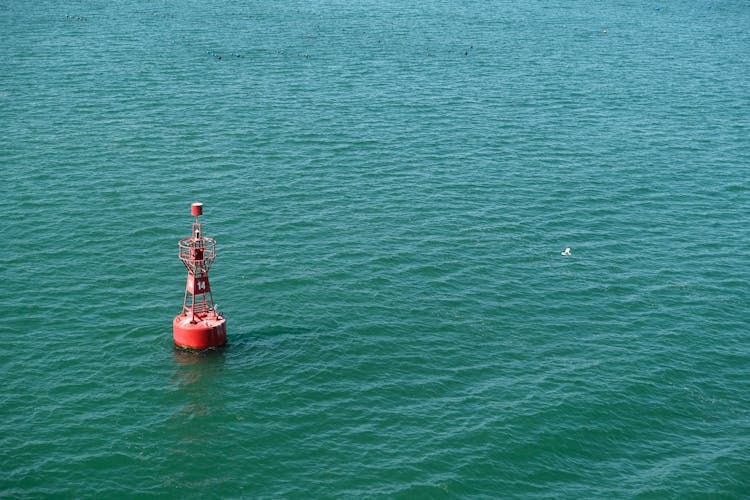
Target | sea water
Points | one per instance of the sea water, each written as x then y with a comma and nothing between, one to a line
391,185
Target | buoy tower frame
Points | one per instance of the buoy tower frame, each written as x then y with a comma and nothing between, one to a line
200,325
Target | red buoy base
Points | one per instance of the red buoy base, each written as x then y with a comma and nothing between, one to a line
201,333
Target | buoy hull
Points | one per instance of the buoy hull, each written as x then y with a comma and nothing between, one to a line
201,334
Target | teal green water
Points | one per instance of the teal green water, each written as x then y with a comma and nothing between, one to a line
391,185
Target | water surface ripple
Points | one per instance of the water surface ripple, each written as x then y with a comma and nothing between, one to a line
390,185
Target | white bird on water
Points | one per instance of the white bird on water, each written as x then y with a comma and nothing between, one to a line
566,252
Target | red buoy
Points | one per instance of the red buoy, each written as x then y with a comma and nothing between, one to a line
199,325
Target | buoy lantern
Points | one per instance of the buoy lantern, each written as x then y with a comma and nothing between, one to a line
199,325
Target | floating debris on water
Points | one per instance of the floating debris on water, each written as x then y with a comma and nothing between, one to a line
218,56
